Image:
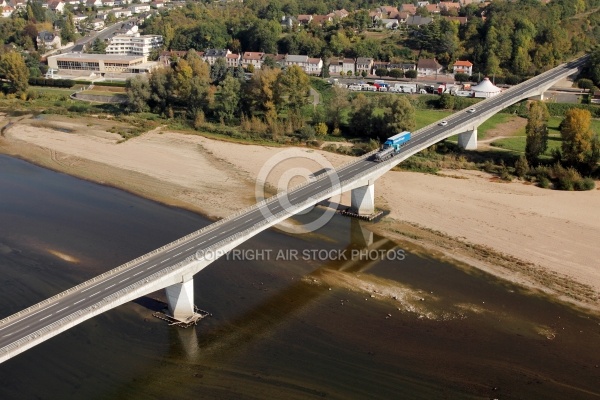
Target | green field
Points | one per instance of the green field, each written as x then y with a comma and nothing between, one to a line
426,117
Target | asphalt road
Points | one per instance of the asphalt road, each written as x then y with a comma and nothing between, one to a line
89,296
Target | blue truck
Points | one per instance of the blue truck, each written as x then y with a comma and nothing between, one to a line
392,146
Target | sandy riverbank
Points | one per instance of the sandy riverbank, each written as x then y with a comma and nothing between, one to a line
541,238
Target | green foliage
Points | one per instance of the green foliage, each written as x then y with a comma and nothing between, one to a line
67,83
446,101
411,74
15,71
536,131
98,47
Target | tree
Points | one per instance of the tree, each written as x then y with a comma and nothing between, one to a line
461,77
411,73
338,102
536,131
521,166
396,73
446,101
228,99
381,72
67,32
138,94
594,66
398,116
98,47
577,136
15,71
293,88
218,71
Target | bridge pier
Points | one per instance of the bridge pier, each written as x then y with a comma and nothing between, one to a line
180,298
362,199
539,97
468,140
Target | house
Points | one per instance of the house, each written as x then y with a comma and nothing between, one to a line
288,22
18,4
108,3
389,23
158,4
93,3
364,64
339,14
121,13
348,66
97,24
342,66
321,19
233,60
417,20
411,9
463,67
448,5
7,11
301,61
134,45
253,58
139,8
56,6
304,19
428,66
422,3
211,55
165,57
335,66
314,66
78,18
460,20
48,40
433,8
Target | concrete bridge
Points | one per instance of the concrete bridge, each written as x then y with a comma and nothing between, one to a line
173,266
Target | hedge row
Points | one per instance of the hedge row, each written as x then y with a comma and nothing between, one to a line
114,84
66,83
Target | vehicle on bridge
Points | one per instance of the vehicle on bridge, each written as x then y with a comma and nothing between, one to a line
392,146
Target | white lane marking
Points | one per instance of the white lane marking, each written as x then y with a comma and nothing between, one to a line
94,294
123,280
62,309
178,253
77,302
140,272
41,319
108,287
17,331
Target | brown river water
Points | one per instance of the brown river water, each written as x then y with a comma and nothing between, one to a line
322,320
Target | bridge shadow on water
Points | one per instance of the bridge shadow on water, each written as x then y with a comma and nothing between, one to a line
217,341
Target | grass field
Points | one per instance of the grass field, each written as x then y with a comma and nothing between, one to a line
492,123
426,117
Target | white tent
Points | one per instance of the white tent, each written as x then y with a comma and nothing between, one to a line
485,88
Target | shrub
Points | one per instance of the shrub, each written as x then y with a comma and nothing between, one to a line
544,182
586,184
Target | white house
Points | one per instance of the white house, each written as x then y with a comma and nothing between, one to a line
139,8
428,66
48,40
463,67
7,11
134,45
253,58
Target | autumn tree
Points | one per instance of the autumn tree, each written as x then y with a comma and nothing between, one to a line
577,136
138,94
67,31
536,131
336,105
292,91
260,94
398,116
228,99
15,71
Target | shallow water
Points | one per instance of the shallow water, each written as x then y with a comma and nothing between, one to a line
304,328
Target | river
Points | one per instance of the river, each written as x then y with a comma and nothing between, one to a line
322,320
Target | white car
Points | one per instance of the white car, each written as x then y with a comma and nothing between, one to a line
471,110
444,123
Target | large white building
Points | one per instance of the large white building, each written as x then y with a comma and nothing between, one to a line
134,45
